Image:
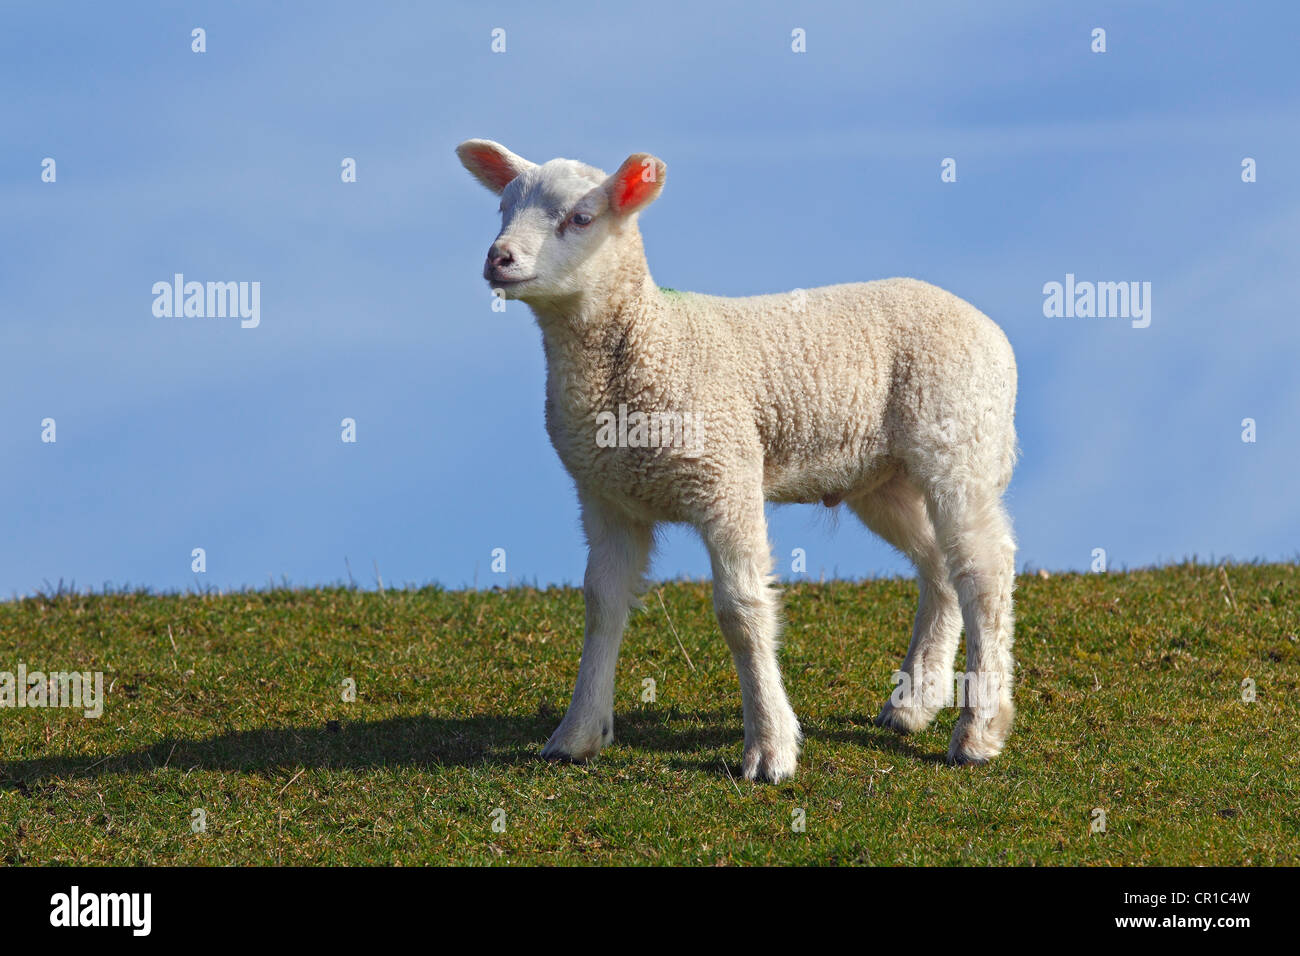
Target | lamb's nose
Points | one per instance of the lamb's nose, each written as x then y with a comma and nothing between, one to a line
500,255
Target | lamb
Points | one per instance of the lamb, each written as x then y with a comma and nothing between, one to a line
892,397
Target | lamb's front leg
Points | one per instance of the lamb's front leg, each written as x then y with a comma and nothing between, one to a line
746,605
617,559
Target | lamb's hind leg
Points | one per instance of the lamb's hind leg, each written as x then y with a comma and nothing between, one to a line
975,534
896,511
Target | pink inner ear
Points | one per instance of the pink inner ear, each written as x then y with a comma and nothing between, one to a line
494,166
631,189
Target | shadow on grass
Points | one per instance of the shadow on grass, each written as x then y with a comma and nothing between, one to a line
429,742
861,730
857,730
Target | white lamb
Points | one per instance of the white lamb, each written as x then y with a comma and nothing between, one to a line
893,397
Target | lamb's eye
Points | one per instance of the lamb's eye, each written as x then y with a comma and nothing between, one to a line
580,219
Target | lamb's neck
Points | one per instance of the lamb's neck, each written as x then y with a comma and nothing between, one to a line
590,344
583,326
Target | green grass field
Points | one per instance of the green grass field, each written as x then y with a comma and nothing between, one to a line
1129,696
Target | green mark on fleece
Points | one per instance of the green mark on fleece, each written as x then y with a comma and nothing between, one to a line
667,291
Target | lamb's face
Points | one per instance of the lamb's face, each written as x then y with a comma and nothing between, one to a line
565,226
554,225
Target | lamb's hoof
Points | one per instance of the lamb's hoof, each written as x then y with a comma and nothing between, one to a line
977,740
904,719
578,740
775,757
770,764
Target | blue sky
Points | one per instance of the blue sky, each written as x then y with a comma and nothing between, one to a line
785,170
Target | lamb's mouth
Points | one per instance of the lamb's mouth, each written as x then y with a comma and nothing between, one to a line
506,283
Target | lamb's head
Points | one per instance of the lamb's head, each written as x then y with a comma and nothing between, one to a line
566,227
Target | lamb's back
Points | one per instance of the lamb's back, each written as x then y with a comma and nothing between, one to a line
834,378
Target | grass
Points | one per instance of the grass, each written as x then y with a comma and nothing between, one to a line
1129,701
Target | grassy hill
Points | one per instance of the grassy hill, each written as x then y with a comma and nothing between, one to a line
1129,695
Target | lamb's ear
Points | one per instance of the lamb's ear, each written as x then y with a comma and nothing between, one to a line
491,163
636,184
